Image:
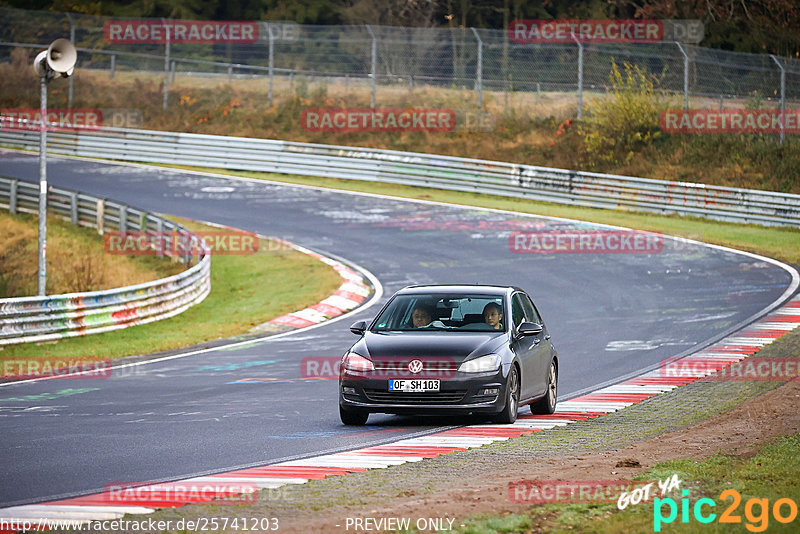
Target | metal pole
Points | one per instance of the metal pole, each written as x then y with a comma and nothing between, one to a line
580,80
71,40
783,97
373,68
43,186
685,75
113,65
166,66
271,62
479,69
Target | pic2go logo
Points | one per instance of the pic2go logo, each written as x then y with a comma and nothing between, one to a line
784,511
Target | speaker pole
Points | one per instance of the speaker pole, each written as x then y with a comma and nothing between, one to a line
43,185
58,59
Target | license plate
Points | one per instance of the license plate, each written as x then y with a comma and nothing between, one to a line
413,385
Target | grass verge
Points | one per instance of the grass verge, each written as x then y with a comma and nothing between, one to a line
767,477
246,290
782,243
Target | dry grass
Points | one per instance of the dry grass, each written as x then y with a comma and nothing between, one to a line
76,260
526,123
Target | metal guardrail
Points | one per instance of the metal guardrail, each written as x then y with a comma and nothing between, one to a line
426,170
27,319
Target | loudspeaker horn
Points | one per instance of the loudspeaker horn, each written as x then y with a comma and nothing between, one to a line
40,63
61,57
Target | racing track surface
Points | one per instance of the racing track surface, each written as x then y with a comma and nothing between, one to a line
609,315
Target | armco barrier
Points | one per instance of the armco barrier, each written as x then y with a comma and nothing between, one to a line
27,319
426,170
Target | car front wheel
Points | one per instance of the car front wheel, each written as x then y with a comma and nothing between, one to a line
509,413
353,417
547,404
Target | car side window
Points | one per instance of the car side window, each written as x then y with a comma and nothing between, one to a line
517,310
531,314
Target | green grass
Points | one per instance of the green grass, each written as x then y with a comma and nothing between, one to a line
246,290
782,243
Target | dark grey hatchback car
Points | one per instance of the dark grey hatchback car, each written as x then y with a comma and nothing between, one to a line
453,350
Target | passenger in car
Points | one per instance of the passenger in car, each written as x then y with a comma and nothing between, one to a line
493,315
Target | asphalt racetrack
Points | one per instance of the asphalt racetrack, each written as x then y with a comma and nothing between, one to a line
610,315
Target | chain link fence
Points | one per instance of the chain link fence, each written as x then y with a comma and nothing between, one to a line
479,60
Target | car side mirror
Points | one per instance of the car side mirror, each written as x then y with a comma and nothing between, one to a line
359,327
529,329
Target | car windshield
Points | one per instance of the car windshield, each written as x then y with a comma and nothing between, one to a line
453,312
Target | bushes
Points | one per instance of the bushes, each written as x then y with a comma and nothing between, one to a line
626,121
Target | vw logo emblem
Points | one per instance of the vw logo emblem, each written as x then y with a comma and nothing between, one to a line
415,366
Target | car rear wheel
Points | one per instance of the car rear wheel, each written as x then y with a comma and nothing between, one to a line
353,417
509,413
547,404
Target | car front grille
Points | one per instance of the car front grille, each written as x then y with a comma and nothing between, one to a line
433,368
392,397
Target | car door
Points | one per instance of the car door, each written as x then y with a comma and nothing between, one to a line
525,348
540,352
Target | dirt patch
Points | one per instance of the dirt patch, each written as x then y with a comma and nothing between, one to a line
739,432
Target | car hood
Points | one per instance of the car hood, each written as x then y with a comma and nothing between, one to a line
402,345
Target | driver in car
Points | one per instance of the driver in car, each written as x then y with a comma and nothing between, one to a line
421,316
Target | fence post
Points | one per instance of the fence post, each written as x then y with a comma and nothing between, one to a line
71,40
783,96
73,208
101,208
166,65
271,62
685,75
123,219
12,197
113,66
373,67
479,69
161,238
580,79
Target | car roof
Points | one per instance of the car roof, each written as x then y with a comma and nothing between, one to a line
457,288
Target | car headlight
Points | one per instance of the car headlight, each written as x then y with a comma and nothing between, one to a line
356,363
484,364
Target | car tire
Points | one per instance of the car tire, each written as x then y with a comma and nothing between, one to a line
353,417
509,413
547,404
